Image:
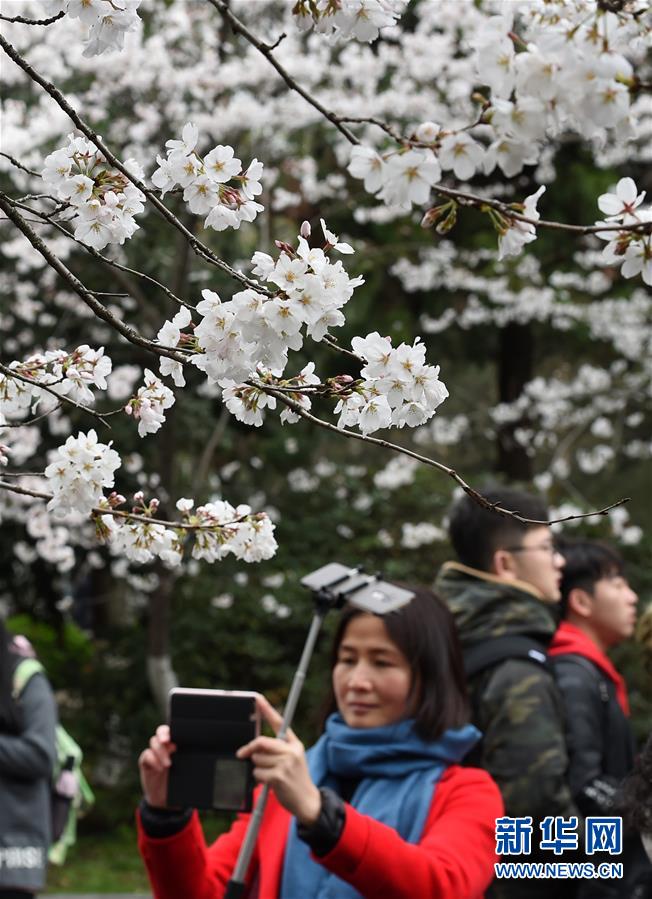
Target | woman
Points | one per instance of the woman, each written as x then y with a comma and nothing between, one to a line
27,751
378,807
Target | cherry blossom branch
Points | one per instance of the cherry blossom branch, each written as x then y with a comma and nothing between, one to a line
470,491
198,247
223,7
129,516
24,21
12,373
239,27
87,296
475,200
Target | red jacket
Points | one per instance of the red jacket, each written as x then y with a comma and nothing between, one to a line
453,860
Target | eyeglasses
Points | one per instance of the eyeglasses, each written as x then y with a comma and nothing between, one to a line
550,548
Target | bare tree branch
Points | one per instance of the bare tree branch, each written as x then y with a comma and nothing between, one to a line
24,21
29,421
48,219
19,165
470,491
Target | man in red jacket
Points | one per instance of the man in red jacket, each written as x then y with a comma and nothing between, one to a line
598,611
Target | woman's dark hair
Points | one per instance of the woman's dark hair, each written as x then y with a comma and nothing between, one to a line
10,715
425,633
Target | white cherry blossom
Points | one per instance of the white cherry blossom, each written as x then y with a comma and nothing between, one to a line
79,471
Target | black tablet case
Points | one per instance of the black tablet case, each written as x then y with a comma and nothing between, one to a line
208,728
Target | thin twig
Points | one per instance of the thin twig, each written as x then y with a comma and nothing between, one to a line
362,120
223,7
331,341
199,248
47,217
24,21
474,494
29,421
87,296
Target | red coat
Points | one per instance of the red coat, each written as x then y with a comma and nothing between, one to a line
453,860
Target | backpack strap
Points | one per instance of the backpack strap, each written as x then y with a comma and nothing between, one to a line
480,656
23,673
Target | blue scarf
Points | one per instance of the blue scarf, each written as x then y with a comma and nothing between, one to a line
398,773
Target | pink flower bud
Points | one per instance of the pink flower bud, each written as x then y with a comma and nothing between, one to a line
306,230
139,496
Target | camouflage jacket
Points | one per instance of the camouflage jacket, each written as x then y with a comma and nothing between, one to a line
516,703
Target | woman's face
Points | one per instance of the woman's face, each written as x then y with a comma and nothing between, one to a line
371,677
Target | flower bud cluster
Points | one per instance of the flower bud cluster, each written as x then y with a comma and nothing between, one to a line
70,375
107,20
150,403
398,389
632,250
104,202
359,19
78,472
205,181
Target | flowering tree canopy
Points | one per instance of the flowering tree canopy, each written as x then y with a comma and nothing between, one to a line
190,241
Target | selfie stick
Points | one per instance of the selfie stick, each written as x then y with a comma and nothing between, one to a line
331,585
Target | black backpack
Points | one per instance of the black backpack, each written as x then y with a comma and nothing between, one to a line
480,658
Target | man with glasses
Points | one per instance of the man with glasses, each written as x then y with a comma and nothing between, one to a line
503,592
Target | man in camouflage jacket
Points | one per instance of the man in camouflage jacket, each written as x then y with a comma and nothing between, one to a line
507,583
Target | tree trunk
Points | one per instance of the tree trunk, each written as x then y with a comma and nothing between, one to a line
515,368
160,673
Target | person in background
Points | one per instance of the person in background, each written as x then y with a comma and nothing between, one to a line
635,803
380,806
27,755
598,609
503,593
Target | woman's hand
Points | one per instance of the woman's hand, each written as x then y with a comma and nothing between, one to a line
282,764
154,765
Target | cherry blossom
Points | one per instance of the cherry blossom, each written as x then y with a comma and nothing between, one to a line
79,471
150,403
206,181
514,238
